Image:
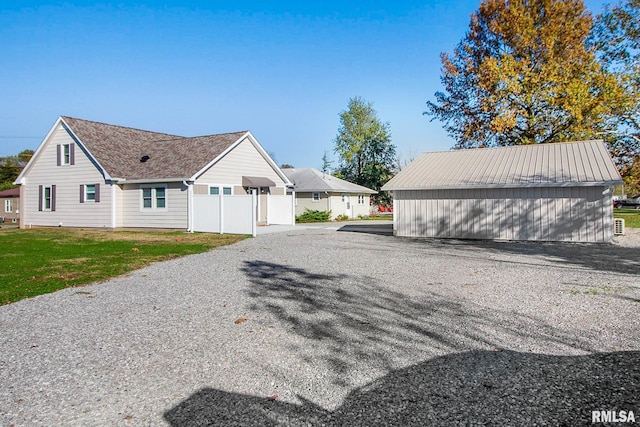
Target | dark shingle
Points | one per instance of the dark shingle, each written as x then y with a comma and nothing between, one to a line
119,150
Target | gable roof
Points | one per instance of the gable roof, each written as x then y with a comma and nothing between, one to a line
312,180
582,163
119,149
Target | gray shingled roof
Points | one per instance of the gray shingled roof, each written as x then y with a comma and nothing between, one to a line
580,163
119,149
312,180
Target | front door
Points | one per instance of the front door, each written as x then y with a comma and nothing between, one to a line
347,200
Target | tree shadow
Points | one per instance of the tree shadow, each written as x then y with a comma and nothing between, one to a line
470,388
354,322
456,369
378,229
592,256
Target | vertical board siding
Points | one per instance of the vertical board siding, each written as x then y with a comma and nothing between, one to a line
577,214
66,178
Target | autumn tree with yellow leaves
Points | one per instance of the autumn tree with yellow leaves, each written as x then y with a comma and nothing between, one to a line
525,74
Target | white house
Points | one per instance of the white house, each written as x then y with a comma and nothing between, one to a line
315,190
547,192
90,174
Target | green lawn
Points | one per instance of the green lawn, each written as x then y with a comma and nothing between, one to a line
39,261
631,217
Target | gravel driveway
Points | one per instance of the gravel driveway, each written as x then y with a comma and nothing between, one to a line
342,328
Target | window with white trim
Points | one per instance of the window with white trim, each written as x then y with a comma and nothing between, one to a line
226,190
8,205
66,154
361,199
214,191
46,198
154,197
90,192
315,197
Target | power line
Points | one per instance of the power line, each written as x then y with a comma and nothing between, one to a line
20,137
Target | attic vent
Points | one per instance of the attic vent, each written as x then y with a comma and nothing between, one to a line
618,226
144,158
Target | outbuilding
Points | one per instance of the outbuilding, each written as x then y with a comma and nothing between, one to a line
543,192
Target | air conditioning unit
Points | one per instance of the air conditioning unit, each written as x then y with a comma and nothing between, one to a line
618,226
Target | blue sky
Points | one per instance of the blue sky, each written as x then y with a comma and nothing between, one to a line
283,70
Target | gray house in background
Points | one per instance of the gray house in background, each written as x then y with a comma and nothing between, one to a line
545,192
316,190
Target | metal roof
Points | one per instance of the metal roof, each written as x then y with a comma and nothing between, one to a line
313,180
581,163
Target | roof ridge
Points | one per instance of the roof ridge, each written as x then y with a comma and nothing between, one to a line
123,127
455,150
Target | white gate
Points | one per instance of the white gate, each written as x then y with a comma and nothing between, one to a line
280,210
233,214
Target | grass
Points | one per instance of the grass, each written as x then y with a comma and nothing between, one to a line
631,217
39,261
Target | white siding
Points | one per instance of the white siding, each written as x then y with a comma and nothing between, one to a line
577,214
304,201
174,216
245,160
332,202
67,179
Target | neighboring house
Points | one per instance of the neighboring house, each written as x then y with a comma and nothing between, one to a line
316,190
548,192
90,174
10,206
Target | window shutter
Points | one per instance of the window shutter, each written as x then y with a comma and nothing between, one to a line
40,193
72,154
59,154
97,193
53,198
81,193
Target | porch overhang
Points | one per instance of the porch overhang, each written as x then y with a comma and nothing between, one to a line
257,181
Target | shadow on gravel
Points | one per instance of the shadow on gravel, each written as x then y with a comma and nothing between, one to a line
379,229
601,257
354,323
477,387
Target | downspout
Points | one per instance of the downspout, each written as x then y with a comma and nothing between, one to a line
189,206
113,205
329,205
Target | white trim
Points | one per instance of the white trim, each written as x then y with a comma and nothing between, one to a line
84,149
86,193
149,181
59,121
248,136
189,206
154,198
8,203
113,205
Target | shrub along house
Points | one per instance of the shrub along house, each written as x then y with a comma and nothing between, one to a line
90,174
548,192
316,190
